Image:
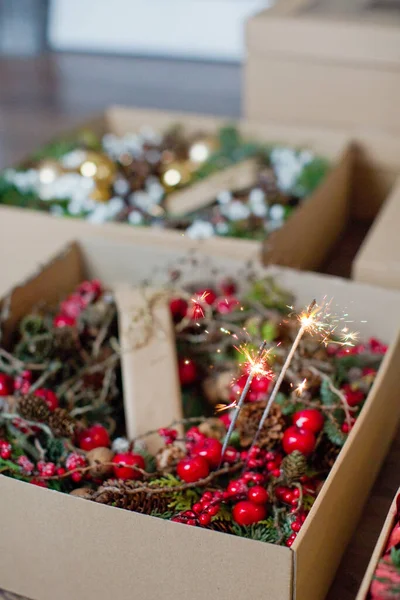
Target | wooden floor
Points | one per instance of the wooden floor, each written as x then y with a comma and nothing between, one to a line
40,97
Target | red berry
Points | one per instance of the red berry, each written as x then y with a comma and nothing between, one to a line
23,382
377,347
90,290
231,455
310,419
187,371
26,465
46,469
346,428
296,526
124,463
213,510
6,385
236,487
77,477
72,306
276,473
193,469
75,461
247,513
290,540
227,287
169,435
353,396
5,450
207,295
61,320
210,449
205,519
260,384
61,471
178,308
258,495
95,436
298,439
271,465
38,482
225,306
197,508
48,396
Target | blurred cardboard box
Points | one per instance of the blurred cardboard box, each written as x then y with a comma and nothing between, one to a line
304,241
378,260
334,63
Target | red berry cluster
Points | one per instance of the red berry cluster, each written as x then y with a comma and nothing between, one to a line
222,301
258,389
75,461
95,436
70,309
169,435
128,465
202,511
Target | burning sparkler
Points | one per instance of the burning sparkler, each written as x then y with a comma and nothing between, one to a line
308,322
257,366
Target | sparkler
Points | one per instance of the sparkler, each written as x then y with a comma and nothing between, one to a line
308,322
256,366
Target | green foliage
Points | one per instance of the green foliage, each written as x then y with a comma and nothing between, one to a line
269,331
9,465
395,556
308,501
328,397
165,515
192,403
287,405
265,531
182,500
55,449
149,459
334,433
268,293
224,514
311,177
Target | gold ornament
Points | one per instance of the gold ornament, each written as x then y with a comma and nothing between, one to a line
202,148
175,175
98,167
101,193
49,170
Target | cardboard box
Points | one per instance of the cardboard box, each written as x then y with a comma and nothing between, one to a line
331,63
379,548
303,242
378,260
76,549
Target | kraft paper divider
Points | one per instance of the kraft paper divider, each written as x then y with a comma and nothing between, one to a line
379,549
201,194
151,388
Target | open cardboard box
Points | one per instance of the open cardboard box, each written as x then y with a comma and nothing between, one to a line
379,548
303,242
378,260
72,548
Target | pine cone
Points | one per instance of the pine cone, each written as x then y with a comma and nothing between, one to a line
61,424
294,466
326,455
119,493
222,526
249,419
33,408
64,342
168,457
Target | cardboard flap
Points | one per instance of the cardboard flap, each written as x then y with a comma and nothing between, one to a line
201,194
328,30
152,396
49,285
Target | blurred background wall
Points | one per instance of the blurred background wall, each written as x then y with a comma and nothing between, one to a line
193,29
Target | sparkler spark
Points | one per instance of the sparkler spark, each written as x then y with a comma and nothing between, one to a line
256,363
198,301
242,398
301,387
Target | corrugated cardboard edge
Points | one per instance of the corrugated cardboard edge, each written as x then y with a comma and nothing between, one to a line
377,423
152,393
378,259
379,549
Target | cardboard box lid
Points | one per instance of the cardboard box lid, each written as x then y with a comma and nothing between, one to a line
365,32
